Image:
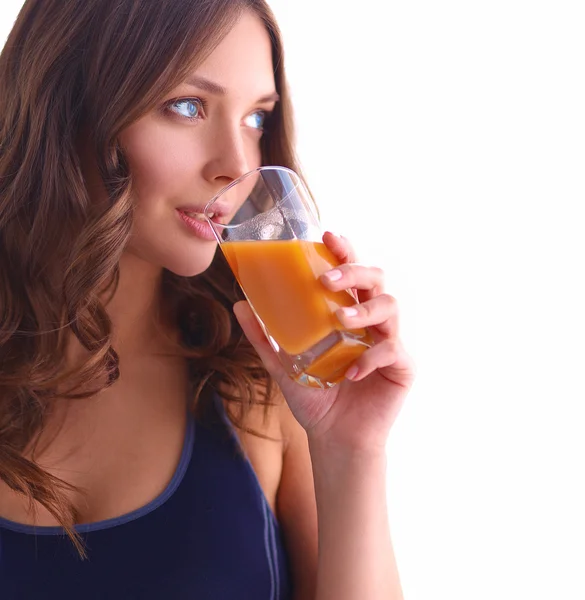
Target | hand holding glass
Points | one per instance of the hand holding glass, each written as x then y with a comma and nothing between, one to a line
274,248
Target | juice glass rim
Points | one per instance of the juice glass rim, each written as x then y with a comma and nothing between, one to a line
245,176
298,182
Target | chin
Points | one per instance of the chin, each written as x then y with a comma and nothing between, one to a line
183,259
190,266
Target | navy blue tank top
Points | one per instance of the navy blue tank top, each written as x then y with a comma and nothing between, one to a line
211,535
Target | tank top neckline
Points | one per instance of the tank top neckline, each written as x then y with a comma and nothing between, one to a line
169,490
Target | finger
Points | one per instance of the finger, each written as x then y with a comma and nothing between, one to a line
380,312
340,247
389,359
355,276
255,334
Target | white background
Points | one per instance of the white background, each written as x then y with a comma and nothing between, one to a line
447,140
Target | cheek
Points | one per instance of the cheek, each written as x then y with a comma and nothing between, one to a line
162,163
164,171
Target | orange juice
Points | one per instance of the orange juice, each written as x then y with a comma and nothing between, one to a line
281,280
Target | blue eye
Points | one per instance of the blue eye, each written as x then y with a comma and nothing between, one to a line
190,108
256,120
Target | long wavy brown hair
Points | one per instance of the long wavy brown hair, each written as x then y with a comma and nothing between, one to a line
75,66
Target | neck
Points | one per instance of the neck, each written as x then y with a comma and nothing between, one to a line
135,308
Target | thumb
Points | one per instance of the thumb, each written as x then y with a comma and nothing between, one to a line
255,334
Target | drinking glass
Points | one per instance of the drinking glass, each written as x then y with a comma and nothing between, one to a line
269,231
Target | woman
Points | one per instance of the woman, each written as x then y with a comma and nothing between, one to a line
138,411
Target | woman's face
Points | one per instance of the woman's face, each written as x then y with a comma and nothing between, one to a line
202,136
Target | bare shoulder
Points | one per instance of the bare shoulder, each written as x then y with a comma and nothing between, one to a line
264,451
296,504
283,468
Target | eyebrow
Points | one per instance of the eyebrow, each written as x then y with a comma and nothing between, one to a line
218,90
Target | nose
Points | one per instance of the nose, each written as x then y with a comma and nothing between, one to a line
228,156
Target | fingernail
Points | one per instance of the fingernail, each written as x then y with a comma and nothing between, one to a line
334,275
350,312
352,372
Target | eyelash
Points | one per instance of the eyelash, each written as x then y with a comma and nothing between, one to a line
203,107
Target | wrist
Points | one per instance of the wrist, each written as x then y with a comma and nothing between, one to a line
331,453
356,442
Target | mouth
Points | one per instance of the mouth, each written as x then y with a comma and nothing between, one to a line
197,224
198,215
218,215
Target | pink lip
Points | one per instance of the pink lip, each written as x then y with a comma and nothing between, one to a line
219,209
200,228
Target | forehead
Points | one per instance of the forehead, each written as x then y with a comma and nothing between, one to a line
242,62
